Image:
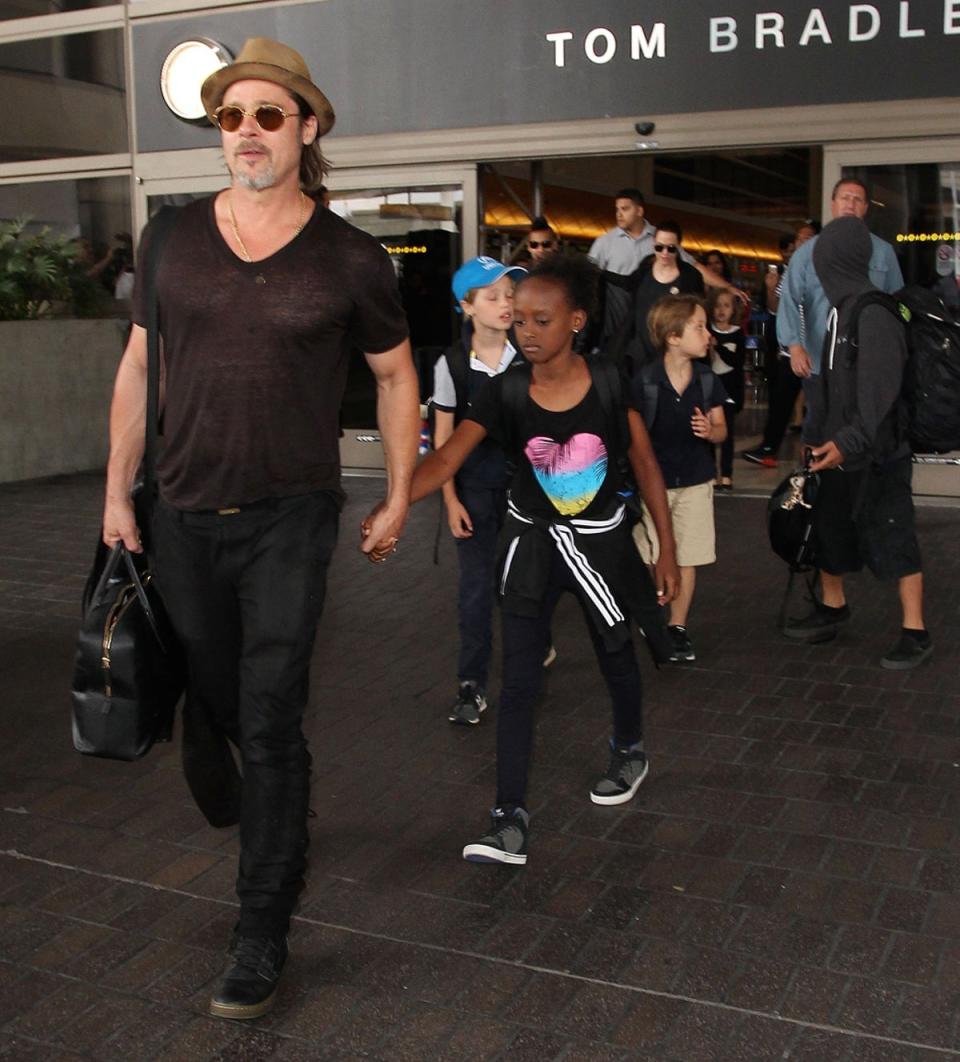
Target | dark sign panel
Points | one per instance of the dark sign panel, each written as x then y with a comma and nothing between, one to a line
396,65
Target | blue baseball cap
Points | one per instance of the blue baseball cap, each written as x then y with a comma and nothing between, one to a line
481,273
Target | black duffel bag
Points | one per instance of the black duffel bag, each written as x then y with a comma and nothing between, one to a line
790,525
128,669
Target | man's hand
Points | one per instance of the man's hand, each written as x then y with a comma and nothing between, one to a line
800,362
825,457
459,520
120,524
380,531
667,576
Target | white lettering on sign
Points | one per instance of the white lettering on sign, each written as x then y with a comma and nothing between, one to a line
951,16
905,30
723,34
815,26
771,29
559,41
858,31
600,46
648,47
769,24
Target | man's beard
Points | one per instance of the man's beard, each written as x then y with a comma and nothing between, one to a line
256,182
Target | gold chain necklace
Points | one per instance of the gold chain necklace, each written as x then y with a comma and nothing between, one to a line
244,253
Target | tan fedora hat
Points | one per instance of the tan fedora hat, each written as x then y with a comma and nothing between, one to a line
268,60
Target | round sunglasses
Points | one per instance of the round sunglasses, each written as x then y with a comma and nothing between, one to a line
268,116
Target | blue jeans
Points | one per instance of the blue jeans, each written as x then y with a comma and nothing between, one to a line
478,558
244,592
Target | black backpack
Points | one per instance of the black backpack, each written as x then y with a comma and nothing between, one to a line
930,398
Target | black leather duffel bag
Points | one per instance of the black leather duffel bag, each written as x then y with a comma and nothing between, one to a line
128,670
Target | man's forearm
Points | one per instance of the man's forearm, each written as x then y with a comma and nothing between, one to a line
398,417
127,428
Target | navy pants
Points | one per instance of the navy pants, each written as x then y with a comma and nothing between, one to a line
478,559
244,592
523,641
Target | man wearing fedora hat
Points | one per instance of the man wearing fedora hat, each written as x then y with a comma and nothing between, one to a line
262,294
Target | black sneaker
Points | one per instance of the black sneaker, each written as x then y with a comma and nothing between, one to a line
821,625
505,841
681,648
761,455
910,651
249,983
471,701
627,769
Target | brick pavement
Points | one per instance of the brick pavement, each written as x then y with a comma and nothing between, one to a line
784,886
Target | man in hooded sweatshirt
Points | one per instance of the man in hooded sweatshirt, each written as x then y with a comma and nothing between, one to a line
864,511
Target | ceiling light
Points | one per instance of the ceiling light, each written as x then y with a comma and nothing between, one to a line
184,70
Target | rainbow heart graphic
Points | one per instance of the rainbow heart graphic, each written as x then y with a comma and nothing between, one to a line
570,473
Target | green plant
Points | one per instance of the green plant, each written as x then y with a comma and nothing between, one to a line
41,275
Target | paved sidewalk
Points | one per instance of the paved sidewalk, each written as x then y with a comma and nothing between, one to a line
784,885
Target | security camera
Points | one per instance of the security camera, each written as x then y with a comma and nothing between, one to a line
645,128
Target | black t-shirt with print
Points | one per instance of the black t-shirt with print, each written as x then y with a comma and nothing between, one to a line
256,355
566,465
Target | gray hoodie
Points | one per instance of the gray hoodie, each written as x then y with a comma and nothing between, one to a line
862,402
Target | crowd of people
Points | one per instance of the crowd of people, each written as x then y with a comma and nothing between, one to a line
560,473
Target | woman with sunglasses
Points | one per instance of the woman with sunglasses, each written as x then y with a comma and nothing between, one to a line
660,274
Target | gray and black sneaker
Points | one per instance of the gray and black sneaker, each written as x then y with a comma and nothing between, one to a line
471,701
681,648
820,625
505,841
249,983
627,769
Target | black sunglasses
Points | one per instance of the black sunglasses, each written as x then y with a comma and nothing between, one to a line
535,244
670,248
268,116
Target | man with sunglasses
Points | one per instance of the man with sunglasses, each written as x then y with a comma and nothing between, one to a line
262,295
542,241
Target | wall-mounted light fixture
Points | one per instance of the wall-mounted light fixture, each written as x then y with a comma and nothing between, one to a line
184,70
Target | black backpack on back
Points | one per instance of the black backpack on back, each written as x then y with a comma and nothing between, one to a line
930,397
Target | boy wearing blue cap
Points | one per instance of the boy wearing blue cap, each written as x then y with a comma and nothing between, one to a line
475,500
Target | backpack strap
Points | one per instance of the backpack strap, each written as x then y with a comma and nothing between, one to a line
514,389
458,363
608,383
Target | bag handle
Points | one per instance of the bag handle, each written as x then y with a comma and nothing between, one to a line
120,554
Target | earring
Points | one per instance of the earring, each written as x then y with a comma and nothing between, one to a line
576,331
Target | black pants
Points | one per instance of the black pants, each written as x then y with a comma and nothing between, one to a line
783,395
478,558
244,592
726,447
523,641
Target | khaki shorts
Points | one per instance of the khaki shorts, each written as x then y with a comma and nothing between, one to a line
691,513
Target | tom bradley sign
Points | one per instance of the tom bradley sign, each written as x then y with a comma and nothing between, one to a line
815,26
409,65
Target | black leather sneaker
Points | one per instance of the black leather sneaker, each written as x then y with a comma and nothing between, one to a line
821,625
249,983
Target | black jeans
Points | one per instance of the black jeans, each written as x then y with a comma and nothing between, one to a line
244,592
478,558
783,394
523,641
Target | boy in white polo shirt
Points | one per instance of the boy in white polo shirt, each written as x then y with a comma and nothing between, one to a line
475,500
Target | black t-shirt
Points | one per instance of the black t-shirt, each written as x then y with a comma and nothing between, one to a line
649,291
566,466
684,459
256,355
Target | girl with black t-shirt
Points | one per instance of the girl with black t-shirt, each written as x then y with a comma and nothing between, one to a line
566,529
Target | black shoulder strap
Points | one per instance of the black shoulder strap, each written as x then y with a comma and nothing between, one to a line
871,298
458,362
160,227
608,382
514,389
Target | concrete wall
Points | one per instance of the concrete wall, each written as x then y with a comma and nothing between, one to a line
56,378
